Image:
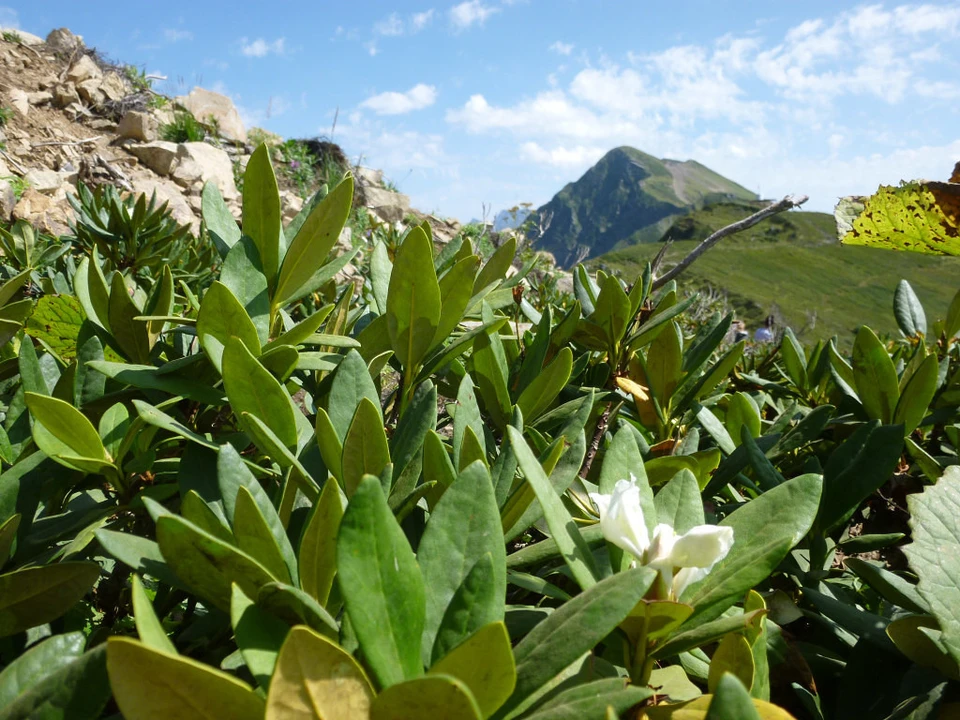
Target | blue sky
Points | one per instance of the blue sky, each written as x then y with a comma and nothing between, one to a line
504,101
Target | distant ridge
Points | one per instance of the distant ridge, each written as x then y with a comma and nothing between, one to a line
626,198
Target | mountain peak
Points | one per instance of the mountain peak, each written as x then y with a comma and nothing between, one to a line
626,193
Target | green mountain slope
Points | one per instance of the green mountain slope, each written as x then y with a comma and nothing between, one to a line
794,263
627,197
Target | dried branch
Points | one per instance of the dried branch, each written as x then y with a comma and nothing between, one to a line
67,142
791,201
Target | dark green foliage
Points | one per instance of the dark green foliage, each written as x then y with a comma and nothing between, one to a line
184,128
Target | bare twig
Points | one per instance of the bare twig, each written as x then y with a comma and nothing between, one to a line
16,166
67,142
661,253
791,201
595,443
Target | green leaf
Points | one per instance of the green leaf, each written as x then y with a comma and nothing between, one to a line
917,216
221,318
318,547
917,394
130,334
37,595
251,388
497,266
149,629
351,383
206,564
148,377
220,223
316,679
934,554
382,586
467,416
426,698
77,690
612,310
138,553
540,394
742,412
574,629
41,661
575,550
242,274
678,504
254,537
59,430
733,655
380,270
313,242
149,684
762,536
413,426
474,604
331,448
365,449
463,528
259,636
707,633
56,320
261,210
732,701
875,377
665,363
8,534
919,638
295,607
908,311
456,289
890,587
484,663
592,699
794,358
413,301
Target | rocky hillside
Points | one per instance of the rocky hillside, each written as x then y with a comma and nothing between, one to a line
69,116
627,197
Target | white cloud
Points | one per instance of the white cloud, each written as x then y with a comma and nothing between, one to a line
372,48
173,35
562,48
471,12
262,48
579,156
397,103
420,20
390,26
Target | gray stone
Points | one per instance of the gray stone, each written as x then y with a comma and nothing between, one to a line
206,105
113,87
159,155
25,37
199,161
18,100
44,181
8,200
84,69
369,176
40,98
138,126
390,206
64,95
63,41
90,93
292,204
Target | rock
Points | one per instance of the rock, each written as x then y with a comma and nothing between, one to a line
159,155
43,212
64,95
164,115
256,136
205,104
62,40
199,161
390,206
345,239
90,93
44,181
25,37
18,100
369,176
102,124
292,204
113,87
138,126
8,200
168,193
40,98
84,69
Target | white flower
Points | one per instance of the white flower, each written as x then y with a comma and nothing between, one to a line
680,559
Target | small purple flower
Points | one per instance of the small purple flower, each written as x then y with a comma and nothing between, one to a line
294,164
